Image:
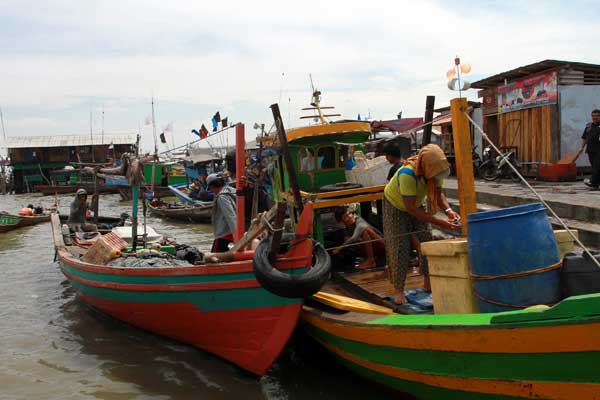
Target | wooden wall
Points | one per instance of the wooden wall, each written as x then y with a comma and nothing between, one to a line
534,131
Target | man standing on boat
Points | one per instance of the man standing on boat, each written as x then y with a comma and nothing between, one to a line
224,212
420,177
591,142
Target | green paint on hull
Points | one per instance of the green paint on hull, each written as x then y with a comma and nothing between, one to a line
582,366
577,308
161,280
205,300
420,390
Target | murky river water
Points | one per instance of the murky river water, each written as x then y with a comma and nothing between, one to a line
53,346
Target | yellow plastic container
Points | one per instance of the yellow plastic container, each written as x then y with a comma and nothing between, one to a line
450,272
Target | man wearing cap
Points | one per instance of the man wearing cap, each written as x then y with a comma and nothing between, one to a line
77,212
224,212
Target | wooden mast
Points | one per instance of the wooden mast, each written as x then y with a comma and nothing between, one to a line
461,134
240,166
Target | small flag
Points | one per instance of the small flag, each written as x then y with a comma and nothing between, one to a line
224,122
203,131
162,138
217,117
358,118
195,132
169,127
111,146
148,120
214,124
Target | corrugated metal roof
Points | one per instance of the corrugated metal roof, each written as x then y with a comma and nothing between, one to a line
529,69
69,140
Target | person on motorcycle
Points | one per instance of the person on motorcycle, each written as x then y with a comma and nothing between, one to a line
420,177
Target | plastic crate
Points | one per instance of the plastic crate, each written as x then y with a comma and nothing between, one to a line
374,174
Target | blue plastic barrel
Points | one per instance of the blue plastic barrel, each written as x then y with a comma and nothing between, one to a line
508,241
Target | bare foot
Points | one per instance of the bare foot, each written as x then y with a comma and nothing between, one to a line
399,297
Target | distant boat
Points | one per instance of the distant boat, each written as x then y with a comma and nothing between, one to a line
8,222
189,213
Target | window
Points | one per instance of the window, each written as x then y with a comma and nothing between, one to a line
326,157
306,159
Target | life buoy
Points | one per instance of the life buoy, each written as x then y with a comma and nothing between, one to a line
287,285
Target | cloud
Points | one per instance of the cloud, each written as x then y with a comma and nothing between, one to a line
60,57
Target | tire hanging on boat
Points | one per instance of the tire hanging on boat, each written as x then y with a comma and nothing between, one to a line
286,284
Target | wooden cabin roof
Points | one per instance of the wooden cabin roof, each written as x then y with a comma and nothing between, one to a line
338,128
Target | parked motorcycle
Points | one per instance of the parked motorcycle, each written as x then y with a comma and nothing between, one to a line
493,168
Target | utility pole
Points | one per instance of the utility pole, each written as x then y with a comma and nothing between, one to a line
429,105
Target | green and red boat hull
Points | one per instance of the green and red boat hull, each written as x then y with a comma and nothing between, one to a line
220,308
552,354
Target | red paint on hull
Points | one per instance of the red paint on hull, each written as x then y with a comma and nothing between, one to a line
251,338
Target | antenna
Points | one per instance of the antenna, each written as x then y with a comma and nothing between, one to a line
102,123
2,119
91,135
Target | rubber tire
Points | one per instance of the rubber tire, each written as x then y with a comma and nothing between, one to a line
489,171
287,285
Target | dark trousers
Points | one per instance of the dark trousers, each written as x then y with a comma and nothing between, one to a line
221,245
595,162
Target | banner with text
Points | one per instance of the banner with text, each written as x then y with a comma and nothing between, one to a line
532,91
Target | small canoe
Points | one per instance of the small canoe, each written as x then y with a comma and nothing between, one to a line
194,213
8,222
220,307
159,192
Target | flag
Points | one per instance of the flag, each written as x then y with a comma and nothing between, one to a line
214,124
169,127
162,138
224,122
195,132
148,120
203,131
111,146
217,117
358,118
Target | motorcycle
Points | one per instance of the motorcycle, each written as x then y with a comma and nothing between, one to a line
497,167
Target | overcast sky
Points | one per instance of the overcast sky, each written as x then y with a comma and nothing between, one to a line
61,58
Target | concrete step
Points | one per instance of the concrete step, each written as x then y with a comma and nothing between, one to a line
589,232
568,200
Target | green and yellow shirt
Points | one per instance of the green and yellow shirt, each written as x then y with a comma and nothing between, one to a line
406,183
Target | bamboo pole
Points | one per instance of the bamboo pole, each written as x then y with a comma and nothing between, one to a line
240,166
461,134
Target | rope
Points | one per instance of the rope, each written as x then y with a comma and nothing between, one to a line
499,303
517,274
372,240
575,238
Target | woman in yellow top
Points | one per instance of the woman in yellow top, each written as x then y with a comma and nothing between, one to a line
420,177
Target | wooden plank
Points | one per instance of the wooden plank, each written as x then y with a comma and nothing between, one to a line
461,133
348,200
348,192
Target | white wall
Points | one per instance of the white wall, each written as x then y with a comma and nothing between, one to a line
576,104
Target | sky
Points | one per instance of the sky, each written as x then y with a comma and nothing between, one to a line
62,60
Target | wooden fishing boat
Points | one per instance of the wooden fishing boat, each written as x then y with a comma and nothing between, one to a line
218,307
90,187
179,191
8,222
195,213
535,352
549,354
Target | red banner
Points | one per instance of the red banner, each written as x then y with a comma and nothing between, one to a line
532,91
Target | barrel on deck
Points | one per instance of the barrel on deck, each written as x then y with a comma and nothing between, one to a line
510,241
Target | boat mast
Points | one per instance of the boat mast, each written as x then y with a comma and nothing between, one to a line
155,158
91,135
2,120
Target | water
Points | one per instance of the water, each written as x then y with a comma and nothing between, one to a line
54,346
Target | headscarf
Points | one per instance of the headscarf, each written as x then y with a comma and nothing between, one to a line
428,163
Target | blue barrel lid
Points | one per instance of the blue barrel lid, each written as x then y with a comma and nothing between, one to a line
506,212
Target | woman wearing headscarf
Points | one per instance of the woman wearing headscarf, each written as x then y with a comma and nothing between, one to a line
420,177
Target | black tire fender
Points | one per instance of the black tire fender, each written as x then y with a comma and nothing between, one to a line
293,285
